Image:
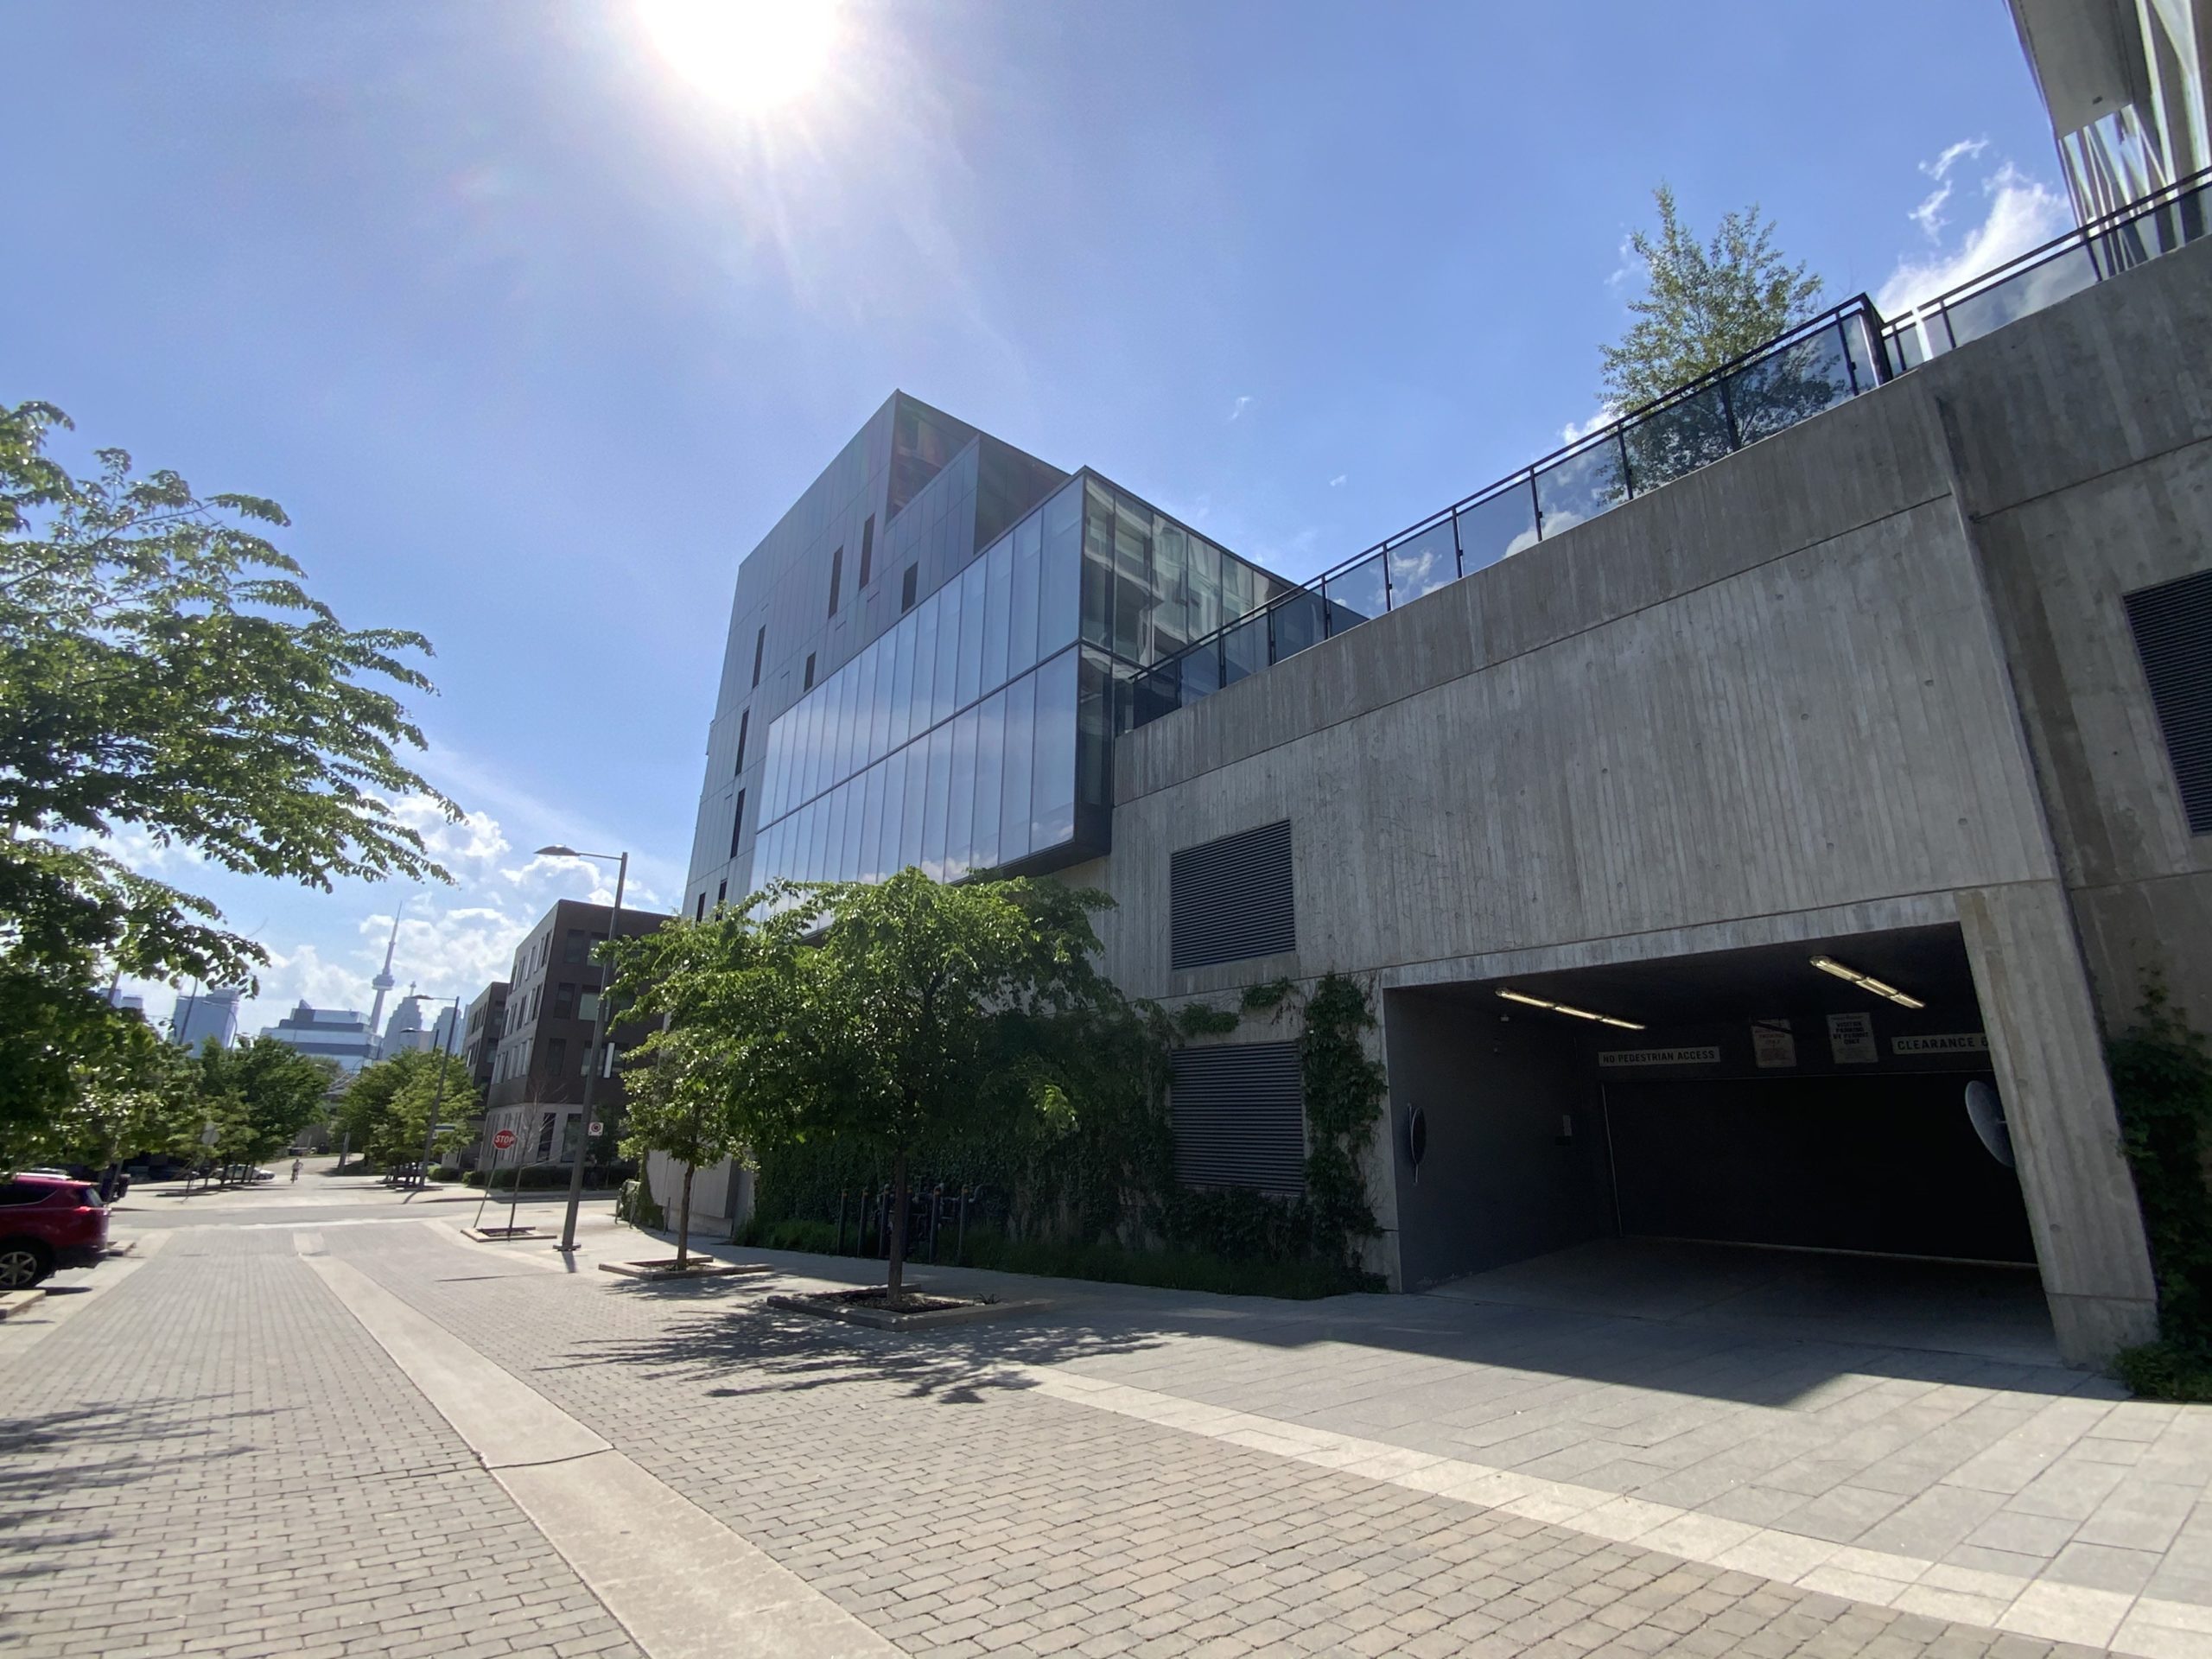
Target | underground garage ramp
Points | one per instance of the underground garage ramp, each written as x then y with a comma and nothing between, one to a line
1887,1164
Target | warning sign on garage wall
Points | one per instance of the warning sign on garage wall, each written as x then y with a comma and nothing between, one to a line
1851,1040
1772,1043
1700,1055
1952,1042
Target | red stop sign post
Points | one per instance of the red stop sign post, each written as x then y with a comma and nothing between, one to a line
504,1139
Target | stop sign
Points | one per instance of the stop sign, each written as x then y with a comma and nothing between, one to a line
504,1139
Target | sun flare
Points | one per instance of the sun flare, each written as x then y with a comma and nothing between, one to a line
752,54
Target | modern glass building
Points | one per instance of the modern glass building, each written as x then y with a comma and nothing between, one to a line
978,620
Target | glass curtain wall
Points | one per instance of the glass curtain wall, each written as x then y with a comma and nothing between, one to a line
949,742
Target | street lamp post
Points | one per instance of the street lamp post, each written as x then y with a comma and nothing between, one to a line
621,861
438,1099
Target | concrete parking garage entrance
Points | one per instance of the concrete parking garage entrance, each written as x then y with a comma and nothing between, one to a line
1756,1133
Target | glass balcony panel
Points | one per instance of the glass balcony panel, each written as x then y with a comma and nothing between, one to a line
1245,649
1155,692
1052,779
1297,623
1497,526
1907,348
2022,294
1773,393
990,780
997,566
1858,347
1422,563
1021,760
1197,671
1579,486
1355,595
1666,444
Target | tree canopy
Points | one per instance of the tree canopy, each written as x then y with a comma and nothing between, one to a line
1703,303
165,674
385,1107
889,1015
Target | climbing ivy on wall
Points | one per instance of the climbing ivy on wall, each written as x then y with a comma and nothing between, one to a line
2162,1082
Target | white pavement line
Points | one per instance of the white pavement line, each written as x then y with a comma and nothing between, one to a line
2038,1607
681,1584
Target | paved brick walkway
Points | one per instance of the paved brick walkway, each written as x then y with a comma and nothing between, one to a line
215,1458
959,1511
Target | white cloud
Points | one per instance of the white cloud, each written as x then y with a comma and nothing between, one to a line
2022,213
1930,214
1240,406
1606,415
1337,482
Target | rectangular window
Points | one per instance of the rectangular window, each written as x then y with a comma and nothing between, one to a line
564,1001
737,824
2172,624
907,584
867,550
700,915
1240,1116
836,576
722,892
577,946
587,1005
1230,899
760,650
809,684
556,1056
744,728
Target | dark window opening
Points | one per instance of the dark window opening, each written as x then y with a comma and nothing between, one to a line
867,549
809,685
836,576
564,1001
744,724
759,649
737,824
556,1056
700,915
577,946
907,584
722,892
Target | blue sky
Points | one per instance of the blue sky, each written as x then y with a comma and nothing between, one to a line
534,336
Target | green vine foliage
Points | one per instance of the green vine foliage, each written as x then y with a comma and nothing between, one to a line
1104,1173
2162,1081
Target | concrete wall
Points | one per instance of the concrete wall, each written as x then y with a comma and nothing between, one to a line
1790,696
1498,1184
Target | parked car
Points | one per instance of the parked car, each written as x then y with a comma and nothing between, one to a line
48,1221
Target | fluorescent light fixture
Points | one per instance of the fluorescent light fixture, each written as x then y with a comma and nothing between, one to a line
1572,1012
1866,982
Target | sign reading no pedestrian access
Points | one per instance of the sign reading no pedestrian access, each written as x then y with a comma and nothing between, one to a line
504,1139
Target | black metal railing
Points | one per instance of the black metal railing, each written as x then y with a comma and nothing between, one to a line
1817,364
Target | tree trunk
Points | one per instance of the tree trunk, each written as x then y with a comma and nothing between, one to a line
684,1224
898,1277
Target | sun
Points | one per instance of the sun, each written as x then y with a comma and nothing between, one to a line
752,54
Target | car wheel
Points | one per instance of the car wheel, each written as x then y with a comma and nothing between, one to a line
24,1262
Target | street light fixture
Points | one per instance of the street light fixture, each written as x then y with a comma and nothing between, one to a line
621,861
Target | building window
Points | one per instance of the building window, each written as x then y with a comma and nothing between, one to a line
700,915
564,1001
760,650
537,998
907,584
588,1006
722,892
836,576
744,726
577,946
737,824
556,1056
809,684
867,550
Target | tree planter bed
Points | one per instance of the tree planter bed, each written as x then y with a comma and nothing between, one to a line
664,1267
918,1309
499,1235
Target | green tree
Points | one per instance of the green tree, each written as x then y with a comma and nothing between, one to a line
163,670
387,1106
132,1093
1704,303
260,1094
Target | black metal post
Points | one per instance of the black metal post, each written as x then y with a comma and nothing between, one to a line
841,1221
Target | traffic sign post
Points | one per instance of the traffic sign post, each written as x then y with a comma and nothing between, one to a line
504,1139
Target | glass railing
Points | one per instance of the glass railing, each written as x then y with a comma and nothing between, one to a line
1815,367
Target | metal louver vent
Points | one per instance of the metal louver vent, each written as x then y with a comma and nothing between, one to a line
2173,636
1240,1117
1230,899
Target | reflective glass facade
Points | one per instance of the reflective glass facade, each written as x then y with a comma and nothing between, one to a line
976,732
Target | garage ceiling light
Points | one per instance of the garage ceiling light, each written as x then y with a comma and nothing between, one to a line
1571,1011
1866,982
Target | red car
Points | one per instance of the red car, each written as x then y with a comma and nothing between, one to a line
47,1222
